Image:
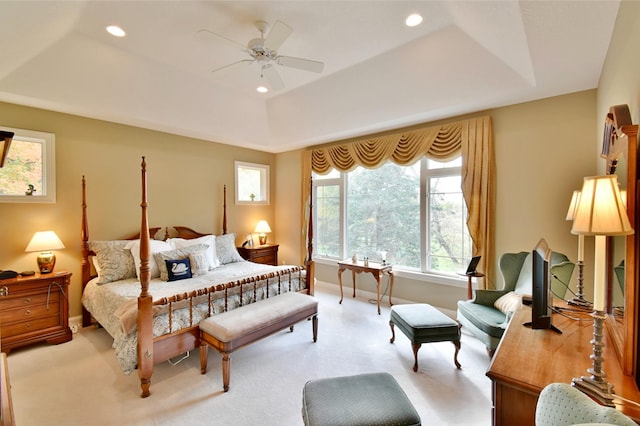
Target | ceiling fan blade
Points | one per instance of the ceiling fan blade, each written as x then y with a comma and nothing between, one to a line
278,34
233,64
272,76
225,40
301,64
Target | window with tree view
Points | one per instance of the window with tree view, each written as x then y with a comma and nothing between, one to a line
414,213
28,174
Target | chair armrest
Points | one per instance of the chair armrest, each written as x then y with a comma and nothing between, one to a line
488,297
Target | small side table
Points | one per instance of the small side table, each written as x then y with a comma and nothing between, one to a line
469,285
375,269
266,254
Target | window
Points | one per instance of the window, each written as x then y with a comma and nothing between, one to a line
415,213
252,183
29,172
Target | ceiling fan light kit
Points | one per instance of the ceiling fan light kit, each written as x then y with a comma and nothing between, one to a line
264,51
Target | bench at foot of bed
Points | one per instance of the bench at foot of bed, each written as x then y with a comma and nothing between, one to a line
231,330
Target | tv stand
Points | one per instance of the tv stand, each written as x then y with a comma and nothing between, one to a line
549,327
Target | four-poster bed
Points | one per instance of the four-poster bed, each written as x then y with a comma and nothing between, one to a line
153,320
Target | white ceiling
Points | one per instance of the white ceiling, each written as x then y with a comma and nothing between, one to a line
378,73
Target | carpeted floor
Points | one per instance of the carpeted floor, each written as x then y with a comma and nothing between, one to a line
79,382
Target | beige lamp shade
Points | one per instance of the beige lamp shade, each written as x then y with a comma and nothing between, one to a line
573,205
601,212
601,209
262,228
45,242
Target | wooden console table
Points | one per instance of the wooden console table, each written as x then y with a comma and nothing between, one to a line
375,269
527,360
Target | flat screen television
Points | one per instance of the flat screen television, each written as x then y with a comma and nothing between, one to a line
541,298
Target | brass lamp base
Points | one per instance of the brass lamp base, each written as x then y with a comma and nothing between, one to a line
262,239
46,262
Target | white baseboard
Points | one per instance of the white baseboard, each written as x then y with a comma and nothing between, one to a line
75,323
369,295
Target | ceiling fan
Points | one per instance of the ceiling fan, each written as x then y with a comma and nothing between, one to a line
264,51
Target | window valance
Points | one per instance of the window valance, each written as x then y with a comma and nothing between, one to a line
472,139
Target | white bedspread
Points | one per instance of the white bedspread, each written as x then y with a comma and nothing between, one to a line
110,303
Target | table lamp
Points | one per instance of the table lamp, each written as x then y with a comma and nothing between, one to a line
262,229
578,299
600,212
45,242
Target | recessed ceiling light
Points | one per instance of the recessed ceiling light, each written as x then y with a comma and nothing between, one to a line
262,89
413,20
115,30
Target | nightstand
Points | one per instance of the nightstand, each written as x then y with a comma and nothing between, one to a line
34,309
266,254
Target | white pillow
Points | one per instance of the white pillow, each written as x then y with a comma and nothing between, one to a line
509,302
155,246
209,240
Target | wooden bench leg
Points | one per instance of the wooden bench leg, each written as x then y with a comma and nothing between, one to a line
314,324
204,356
226,371
455,356
416,348
393,333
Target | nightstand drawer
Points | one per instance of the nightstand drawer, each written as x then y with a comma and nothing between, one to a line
28,312
18,328
27,300
266,254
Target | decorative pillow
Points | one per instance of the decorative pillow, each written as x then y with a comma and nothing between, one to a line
208,240
112,261
155,246
226,249
183,253
178,269
509,302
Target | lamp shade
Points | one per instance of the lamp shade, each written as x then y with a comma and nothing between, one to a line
262,227
44,241
573,205
601,209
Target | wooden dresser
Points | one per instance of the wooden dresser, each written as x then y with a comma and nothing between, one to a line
266,254
527,360
35,309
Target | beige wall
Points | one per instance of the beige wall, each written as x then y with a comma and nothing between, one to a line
185,179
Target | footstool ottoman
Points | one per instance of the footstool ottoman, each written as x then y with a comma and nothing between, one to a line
364,399
422,323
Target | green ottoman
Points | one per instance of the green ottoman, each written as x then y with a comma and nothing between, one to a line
423,323
365,399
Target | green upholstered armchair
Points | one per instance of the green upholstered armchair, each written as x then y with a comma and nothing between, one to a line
560,404
481,318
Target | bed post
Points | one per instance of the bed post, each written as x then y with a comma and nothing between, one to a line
84,248
224,212
310,266
145,301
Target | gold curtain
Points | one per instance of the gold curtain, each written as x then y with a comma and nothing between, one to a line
472,138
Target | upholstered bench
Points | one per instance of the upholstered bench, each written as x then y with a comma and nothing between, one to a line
231,330
365,399
423,323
